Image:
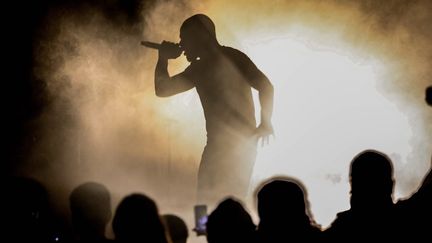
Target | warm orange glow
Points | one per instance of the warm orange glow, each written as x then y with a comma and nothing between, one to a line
343,83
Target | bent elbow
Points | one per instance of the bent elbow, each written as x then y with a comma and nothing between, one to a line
161,93
270,87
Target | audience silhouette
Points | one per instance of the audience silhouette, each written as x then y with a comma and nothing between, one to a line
137,219
284,212
428,96
230,223
90,205
176,227
372,212
27,216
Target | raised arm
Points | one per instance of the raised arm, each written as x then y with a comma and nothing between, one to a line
164,84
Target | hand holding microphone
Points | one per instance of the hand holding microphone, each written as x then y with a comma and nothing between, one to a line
168,50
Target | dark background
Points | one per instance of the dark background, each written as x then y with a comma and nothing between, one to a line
25,97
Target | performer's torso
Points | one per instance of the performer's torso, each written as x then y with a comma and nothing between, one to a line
225,94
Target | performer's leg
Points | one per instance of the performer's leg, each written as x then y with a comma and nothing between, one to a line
207,176
239,171
225,171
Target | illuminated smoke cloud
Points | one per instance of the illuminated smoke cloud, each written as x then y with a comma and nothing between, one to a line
103,122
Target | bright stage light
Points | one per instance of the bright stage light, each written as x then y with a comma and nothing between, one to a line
326,110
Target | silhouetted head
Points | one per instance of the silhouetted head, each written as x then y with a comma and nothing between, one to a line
230,223
177,228
429,95
198,37
25,210
283,200
27,196
371,177
90,205
137,220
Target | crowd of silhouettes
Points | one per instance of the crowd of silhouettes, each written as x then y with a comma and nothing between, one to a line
282,206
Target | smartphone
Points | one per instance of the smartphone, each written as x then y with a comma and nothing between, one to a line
201,217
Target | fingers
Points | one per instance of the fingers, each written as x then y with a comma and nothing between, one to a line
264,135
170,50
265,140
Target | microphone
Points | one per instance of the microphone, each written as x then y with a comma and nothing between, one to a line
150,44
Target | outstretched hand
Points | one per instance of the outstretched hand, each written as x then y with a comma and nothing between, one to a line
263,132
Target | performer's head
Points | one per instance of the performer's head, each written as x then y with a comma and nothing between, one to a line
198,37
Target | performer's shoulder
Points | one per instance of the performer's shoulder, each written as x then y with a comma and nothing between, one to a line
232,51
235,54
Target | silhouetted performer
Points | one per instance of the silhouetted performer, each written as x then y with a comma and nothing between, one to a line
137,219
230,223
284,213
372,212
177,228
90,205
223,78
